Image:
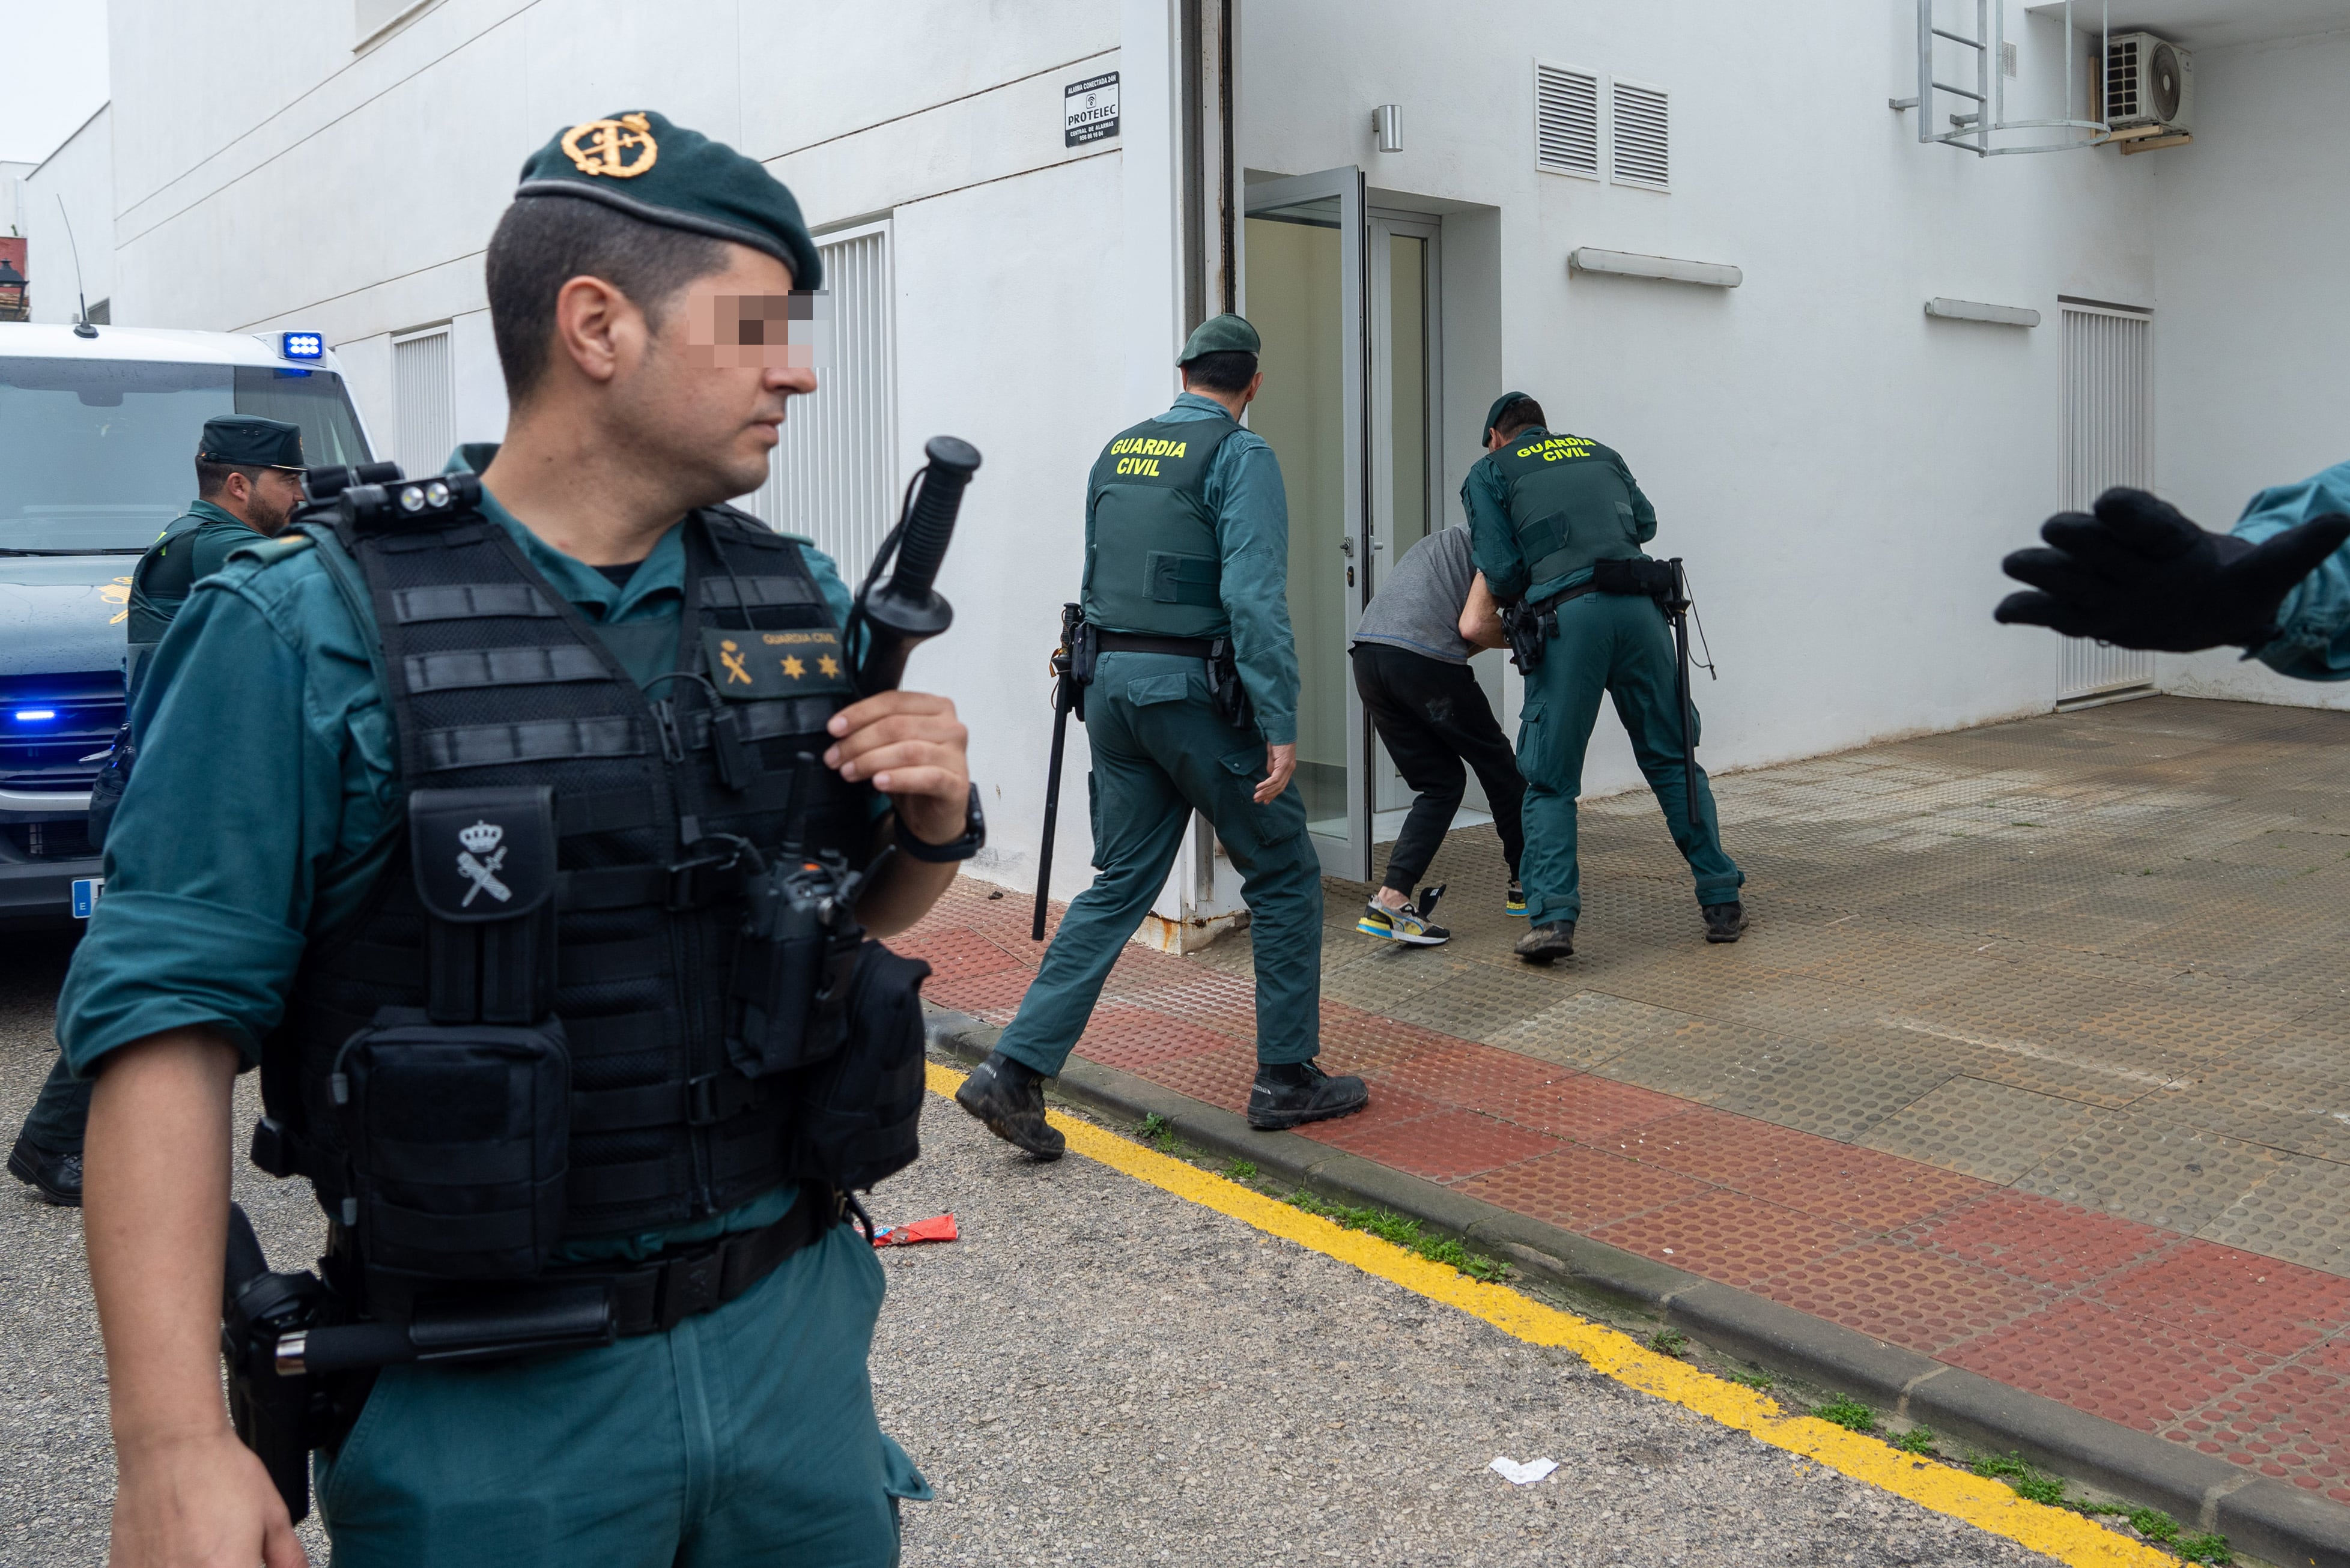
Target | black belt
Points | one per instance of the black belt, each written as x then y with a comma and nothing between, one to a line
665,1291
1543,605
1136,642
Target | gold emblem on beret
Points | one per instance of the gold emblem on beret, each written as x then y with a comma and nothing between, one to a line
606,146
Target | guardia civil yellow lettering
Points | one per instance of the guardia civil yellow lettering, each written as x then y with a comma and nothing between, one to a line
1149,465
1556,449
1147,447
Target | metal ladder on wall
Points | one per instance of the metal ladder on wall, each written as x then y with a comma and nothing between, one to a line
1978,128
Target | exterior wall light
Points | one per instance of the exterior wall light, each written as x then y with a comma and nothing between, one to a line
1625,264
1975,310
1387,121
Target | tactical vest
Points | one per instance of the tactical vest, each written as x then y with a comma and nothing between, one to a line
1152,564
165,576
494,680
1568,504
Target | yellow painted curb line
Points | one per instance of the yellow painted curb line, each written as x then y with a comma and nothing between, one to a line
1979,1500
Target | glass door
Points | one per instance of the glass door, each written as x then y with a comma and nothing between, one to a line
1305,277
1407,466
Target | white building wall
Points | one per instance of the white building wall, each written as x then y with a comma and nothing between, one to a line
1841,474
2254,332
80,175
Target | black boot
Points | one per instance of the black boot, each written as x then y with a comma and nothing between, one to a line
1009,1097
1545,943
56,1177
1723,922
1289,1092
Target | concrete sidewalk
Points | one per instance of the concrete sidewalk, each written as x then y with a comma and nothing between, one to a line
2036,1060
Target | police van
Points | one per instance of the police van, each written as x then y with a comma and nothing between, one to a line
99,428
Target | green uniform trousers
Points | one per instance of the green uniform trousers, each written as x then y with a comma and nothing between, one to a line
743,1436
1620,644
1160,752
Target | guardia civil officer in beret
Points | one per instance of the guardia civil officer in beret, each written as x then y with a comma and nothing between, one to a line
1546,511
482,944
1186,554
248,482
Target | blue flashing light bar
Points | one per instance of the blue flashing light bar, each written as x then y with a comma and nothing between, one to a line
35,715
301,346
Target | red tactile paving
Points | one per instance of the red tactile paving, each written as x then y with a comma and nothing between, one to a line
1447,1147
2288,1425
2219,1292
1580,1188
1875,1191
1907,1297
1728,1236
1585,1107
1122,1035
2123,1367
2239,1355
2040,1239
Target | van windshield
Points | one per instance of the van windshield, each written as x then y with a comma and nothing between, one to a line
100,455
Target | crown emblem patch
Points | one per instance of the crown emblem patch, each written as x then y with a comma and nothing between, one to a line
619,149
479,860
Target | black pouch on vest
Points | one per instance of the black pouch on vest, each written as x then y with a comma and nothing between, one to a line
457,1136
1224,687
1640,577
857,1115
456,1119
793,958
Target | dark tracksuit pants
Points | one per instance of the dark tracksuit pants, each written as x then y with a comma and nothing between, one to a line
59,1116
1433,716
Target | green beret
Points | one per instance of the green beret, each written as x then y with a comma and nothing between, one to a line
1226,334
1493,414
640,164
248,441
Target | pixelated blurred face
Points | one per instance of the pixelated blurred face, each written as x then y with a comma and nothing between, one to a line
788,331
712,394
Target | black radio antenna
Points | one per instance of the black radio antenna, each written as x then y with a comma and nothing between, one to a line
82,328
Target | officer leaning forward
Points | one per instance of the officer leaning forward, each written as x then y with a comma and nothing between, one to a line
1557,524
484,947
248,482
1187,568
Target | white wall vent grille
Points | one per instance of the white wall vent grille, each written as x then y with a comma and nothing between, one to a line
423,395
1567,120
2108,441
835,476
1640,141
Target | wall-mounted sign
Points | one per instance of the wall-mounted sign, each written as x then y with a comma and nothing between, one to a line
1089,110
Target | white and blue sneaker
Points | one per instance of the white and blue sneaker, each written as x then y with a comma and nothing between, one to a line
1409,924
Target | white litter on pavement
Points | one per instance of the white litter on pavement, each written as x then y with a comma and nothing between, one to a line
1525,1474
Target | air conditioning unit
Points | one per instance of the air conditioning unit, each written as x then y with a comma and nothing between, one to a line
2149,82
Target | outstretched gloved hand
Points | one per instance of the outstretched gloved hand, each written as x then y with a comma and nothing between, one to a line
2139,575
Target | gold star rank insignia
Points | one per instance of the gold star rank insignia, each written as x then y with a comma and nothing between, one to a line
827,665
793,667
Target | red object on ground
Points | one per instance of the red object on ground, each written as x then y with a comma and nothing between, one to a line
942,1229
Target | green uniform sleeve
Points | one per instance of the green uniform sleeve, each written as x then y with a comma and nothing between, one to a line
1492,542
1251,510
254,738
2314,618
1643,514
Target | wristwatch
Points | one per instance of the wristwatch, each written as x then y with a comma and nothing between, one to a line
974,837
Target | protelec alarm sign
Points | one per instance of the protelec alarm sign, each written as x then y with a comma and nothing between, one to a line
1089,110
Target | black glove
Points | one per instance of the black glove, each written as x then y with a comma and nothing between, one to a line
2139,575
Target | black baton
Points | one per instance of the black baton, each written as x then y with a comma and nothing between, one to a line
1063,699
1678,605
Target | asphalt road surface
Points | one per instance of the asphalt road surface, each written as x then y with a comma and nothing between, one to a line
1100,1373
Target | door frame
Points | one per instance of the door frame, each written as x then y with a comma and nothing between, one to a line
1348,856
1386,223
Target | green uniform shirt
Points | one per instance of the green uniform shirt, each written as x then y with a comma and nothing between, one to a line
262,806
1493,535
1244,492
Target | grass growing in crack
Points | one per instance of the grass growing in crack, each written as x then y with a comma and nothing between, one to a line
1670,1342
1849,1413
1160,1134
2204,1549
1760,1382
2154,1525
1404,1231
1917,1440
1241,1170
